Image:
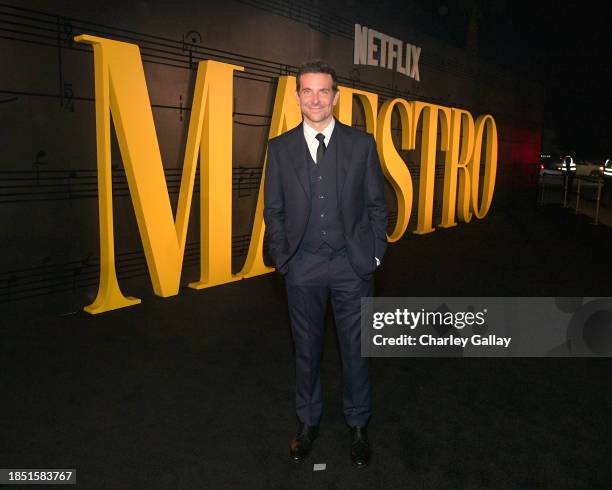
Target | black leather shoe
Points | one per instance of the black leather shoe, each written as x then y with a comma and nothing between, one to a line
360,449
300,446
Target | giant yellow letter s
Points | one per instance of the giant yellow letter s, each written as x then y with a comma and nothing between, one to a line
393,166
121,90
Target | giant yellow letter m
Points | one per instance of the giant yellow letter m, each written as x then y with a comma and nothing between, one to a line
121,90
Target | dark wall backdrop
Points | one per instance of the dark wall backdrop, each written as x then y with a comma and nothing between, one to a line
48,192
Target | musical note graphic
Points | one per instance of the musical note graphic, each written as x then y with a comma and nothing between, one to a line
194,38
67,32
283,70
37,163
68,95
64,38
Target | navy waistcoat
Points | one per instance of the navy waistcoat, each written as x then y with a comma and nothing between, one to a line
324,222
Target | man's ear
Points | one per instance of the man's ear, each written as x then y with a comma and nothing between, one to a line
336,97
297,98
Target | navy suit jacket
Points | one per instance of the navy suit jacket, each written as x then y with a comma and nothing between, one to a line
360,192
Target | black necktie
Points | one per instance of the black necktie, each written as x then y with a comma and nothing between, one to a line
321,149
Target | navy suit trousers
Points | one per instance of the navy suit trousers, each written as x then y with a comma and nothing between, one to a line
313,278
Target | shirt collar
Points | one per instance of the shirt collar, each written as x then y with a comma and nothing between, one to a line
311,133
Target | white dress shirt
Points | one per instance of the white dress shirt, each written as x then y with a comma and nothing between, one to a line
310,134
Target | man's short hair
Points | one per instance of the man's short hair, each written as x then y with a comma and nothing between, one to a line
317,66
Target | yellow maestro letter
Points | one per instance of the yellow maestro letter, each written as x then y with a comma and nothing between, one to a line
393,166
344,108
286,116
456,172
430,114
485,122
121,90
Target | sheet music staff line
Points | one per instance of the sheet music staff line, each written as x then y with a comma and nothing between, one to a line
268,75
51,277
298,12
258,69
60,185
175,107
65,185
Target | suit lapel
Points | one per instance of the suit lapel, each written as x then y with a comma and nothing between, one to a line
297,151
344,151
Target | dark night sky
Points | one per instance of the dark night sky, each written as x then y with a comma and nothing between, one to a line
565,46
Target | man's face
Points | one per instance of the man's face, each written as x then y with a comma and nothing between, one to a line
317,99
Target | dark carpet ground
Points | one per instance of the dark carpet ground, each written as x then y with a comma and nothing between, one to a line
196,391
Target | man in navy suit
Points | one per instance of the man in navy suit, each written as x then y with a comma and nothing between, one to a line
326,219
